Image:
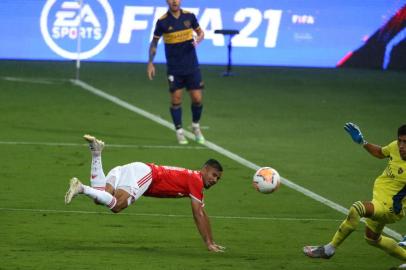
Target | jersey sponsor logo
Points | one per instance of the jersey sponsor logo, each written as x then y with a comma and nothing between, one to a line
178,36
74,30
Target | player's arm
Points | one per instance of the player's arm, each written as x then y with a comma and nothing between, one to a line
374,150
200,36
356,135
152,53
203,225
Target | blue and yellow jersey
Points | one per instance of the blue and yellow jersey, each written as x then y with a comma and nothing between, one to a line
390,186
181,58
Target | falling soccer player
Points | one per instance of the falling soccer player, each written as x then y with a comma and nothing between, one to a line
127,183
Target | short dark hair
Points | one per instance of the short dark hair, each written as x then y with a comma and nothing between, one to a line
214,163
402,130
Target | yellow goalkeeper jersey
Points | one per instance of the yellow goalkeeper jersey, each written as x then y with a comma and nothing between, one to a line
390,186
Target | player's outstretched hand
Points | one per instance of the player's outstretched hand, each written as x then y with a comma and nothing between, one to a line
354,132
216,248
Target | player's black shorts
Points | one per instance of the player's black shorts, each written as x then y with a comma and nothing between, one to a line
191,81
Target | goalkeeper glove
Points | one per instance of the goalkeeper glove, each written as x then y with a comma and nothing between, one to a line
355,133
403,242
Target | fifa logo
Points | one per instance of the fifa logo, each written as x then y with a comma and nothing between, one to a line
77,29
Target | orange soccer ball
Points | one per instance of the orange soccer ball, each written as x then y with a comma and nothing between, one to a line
266,180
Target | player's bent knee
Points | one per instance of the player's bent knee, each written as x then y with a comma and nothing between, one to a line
116,210
371,241
120,206
371,237
121,197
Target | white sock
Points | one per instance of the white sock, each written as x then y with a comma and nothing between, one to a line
180,131
100,196
329,249
195,125
97,177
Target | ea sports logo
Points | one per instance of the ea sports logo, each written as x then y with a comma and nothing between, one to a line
69,27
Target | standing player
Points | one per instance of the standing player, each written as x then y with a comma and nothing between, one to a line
177,27
125,184
386,207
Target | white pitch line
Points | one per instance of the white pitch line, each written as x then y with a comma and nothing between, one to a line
140,146
163,215
218,149
34,80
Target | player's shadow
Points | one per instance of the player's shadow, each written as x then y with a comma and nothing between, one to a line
133,247
127,246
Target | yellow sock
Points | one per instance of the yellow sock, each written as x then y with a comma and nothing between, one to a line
357,210
390,246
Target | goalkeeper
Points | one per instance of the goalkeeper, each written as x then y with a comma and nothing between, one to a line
386,207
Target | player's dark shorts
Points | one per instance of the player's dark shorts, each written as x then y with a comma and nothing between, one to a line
191,81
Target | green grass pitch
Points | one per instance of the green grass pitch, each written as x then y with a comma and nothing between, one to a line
288,118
